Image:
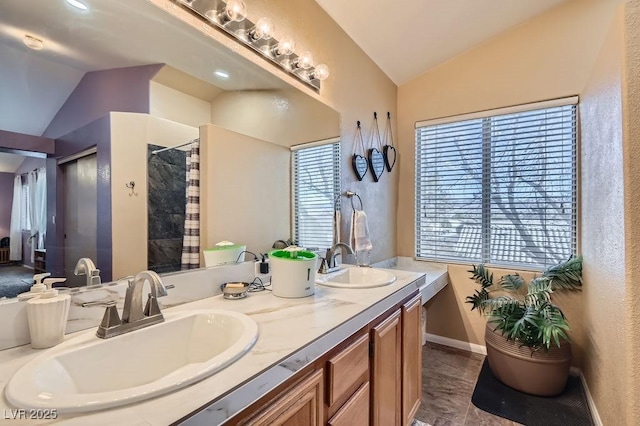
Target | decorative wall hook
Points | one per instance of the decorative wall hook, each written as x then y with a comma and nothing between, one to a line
358,161
375,156
389,150
131,185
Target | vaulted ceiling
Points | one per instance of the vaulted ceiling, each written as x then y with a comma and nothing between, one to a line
408,37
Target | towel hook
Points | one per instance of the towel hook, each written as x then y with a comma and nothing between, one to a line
351,195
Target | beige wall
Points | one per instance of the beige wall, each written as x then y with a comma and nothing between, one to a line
130,134
631,152
603,230
548,57
284,117
247,200
356,88
171,104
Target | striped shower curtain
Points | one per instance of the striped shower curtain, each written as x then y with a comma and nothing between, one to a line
191,241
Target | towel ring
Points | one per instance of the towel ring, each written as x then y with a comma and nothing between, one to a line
351,195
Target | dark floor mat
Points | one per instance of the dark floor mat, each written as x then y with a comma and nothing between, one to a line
12,280
567,409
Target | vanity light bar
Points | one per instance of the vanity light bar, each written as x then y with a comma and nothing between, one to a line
229,17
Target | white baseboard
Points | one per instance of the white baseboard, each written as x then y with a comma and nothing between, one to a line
592,405
480,349
459,344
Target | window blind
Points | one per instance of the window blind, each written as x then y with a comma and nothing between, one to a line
498,189
316,187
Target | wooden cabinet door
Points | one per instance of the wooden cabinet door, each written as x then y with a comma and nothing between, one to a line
386,373
300,406
355,412
411,359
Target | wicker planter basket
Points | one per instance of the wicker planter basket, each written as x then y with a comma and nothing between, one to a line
544,373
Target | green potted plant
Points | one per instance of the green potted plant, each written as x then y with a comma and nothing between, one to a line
528,347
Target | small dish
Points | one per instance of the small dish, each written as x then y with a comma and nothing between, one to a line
234,290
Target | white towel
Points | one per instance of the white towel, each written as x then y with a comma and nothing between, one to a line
359,237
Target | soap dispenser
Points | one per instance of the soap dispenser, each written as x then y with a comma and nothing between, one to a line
36,289
47,315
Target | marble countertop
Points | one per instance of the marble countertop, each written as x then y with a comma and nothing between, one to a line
292,333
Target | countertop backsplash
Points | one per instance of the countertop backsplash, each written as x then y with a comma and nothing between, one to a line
188,286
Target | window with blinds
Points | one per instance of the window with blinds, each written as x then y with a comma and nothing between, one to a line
26,207
316,186
498,189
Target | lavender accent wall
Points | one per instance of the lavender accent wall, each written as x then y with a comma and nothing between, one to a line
6,200
98,134
23,142
100,92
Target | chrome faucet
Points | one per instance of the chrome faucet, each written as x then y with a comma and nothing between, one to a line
134,316
85,266
328,264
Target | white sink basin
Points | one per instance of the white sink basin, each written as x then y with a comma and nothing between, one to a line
87,373
356,278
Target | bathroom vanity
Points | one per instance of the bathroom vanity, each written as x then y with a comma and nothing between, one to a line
333,358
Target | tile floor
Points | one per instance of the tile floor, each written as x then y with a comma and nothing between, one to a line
448,378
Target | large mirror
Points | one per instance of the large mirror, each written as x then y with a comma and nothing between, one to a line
105,111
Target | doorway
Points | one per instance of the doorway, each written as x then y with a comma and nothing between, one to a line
80,215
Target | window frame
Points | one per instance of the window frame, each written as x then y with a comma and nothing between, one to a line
336,179
484,249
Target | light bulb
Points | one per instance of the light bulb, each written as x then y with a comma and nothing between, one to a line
32,42
78,4
321,72
263,29
286,46
235,10
305,60
212,15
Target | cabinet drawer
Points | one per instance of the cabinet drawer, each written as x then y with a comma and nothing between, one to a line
302,405
348,369
356,410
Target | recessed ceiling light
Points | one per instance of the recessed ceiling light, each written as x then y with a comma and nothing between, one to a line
77,4
32,42
221,74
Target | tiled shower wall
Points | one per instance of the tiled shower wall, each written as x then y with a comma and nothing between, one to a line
167,194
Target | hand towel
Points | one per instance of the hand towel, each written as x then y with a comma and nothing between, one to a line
360,231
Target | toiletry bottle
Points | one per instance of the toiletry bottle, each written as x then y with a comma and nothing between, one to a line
36,289
47,315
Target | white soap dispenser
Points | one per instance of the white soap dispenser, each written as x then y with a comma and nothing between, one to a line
36,289
47,315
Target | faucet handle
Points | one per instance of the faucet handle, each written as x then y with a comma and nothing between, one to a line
152,307
323,266
109,320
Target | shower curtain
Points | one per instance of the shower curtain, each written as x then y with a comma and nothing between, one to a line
37,180
15,231
191,241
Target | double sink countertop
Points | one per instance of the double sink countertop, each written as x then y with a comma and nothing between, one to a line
292,334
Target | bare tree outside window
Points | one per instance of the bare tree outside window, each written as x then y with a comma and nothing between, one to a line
498,189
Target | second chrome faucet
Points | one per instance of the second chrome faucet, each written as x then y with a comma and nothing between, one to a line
328,264
134,315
